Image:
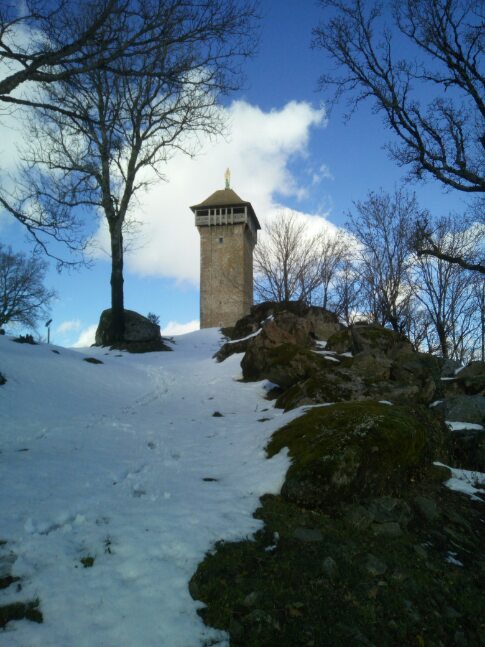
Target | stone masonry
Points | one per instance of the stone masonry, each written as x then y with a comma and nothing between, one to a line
228,233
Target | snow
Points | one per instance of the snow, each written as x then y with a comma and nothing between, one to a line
451,559
386,402
468,482
254,334
327,354
108,461
436,403
461,426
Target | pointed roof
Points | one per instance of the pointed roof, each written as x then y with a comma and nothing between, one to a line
226,198
221,198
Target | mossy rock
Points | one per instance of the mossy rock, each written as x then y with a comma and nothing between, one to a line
418,369
377,338
463,408
373,367
471,380
349,450
140,335
285,364
332,386
365,337
352,587
261,312
340,342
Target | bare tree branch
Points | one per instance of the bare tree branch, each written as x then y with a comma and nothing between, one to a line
23,298
117,129
445,138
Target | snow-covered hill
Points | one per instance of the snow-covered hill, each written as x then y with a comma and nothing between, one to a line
125,463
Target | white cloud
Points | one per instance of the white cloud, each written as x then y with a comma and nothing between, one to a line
257,149
176,328
86,337
69,326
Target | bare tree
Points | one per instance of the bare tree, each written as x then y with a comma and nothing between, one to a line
333,252
479,307
286,260
45,41
444,138
425,244
98,153
23,298
53,42
346,293
446,292
382,225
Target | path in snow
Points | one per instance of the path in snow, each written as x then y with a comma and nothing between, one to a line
110,461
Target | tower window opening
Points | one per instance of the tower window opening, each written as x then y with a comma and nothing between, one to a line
221,240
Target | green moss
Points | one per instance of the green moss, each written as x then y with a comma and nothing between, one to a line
20,611
280,591
356,448
312,390
340,342
88,561
284,364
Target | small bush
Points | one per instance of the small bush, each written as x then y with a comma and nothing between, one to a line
25,339
88,561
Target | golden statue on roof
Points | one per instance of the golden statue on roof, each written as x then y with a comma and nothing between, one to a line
227,177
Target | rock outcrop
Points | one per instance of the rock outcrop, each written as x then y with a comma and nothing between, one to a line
367,448
312,359
364,545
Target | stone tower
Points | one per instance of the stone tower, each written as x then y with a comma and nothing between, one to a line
228,233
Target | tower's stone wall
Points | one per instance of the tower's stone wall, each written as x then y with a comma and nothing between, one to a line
226,273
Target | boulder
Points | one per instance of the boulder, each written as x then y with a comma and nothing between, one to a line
365,337
377,338
420,370
141,334
469,449
367,376
284,363
449,367
321,322
341,341
371,366
323,387
471,380
463,408
357,449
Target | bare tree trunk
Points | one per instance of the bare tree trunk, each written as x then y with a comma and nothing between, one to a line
442,336
117,300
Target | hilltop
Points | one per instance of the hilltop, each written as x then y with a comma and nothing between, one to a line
142,494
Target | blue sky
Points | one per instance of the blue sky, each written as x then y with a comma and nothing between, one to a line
283,149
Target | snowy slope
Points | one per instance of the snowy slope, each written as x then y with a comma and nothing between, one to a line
109,461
